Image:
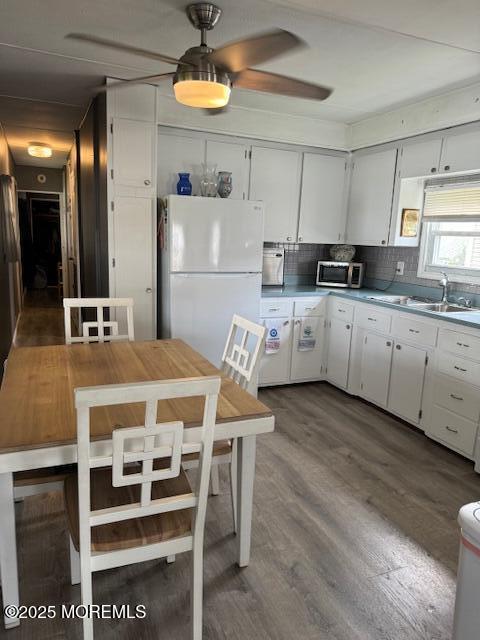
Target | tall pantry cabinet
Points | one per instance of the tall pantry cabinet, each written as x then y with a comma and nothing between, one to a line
132,188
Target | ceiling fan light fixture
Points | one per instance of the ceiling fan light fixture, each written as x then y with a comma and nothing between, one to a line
202,88
39,150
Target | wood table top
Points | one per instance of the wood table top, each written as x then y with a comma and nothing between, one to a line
37,403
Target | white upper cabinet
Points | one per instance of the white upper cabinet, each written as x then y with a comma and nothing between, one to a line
231,157
179,154
275,179
134,154
420,158
322,201
461,152
370,201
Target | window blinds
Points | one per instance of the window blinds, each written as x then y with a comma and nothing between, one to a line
453,200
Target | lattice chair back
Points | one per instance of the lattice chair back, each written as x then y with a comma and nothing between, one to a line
144,445
103,330
241,355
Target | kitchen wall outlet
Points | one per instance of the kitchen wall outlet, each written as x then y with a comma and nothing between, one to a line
400,268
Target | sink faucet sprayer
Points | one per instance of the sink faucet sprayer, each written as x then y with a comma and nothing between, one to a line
444,284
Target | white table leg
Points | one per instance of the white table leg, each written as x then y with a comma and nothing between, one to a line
246,448
8,548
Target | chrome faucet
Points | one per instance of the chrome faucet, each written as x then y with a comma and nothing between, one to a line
464,302
444,284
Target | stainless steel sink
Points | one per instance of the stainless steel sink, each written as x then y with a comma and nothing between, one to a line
391,299
441,307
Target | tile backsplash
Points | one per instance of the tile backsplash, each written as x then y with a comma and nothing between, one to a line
301,259
301,266
382,261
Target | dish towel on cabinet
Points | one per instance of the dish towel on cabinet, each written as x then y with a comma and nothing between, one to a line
274,330
308,334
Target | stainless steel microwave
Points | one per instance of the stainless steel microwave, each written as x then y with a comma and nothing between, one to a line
340,274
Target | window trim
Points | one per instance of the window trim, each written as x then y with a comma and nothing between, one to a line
433,273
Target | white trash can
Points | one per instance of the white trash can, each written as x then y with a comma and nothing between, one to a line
466,624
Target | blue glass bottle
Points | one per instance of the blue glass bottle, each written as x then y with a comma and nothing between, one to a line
184,186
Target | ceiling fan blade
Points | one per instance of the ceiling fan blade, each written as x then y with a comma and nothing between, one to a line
118,46
282,85
250,52
122,84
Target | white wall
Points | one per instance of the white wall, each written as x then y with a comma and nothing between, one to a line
255,123
440,112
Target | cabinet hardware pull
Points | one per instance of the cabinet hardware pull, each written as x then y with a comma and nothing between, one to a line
347,327
414,331
275,309
297,321
459,368
462,344
147,183
308,308
341,310
148,290
450,429
452,395
389,344
372,319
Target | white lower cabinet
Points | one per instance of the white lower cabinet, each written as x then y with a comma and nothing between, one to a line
375,368
407,380
339,338
307,365
275,367
293,361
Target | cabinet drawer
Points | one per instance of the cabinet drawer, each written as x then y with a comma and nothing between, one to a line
462,344
414,330
369,318
315,307
341,310
457,396
460,368
453,430
275,308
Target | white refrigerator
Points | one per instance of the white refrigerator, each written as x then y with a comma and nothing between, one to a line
211,268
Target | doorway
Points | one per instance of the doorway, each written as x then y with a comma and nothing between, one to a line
41,243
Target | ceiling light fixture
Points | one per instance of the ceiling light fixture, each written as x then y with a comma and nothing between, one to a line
202,89
39,150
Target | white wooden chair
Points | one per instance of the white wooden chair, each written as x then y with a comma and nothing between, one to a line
240,361
39,481
105,330
137,490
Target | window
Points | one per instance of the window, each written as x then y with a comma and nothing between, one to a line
451,231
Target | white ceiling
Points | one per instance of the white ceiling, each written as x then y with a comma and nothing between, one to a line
374,53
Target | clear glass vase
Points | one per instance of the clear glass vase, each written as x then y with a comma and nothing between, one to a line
209,180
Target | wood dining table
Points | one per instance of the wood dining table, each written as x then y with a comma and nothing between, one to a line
38,421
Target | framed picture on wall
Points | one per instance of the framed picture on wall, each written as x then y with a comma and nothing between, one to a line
410,223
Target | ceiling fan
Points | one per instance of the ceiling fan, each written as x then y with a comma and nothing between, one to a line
204,76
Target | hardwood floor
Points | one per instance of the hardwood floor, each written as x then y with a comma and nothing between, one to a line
41,320
354,538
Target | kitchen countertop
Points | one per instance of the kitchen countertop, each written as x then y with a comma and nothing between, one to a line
466,318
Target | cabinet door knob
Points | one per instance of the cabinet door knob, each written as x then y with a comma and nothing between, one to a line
399,347
447,167
389,344
384,242
300,239
148,290
147,183
347,327
289,238
433,170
